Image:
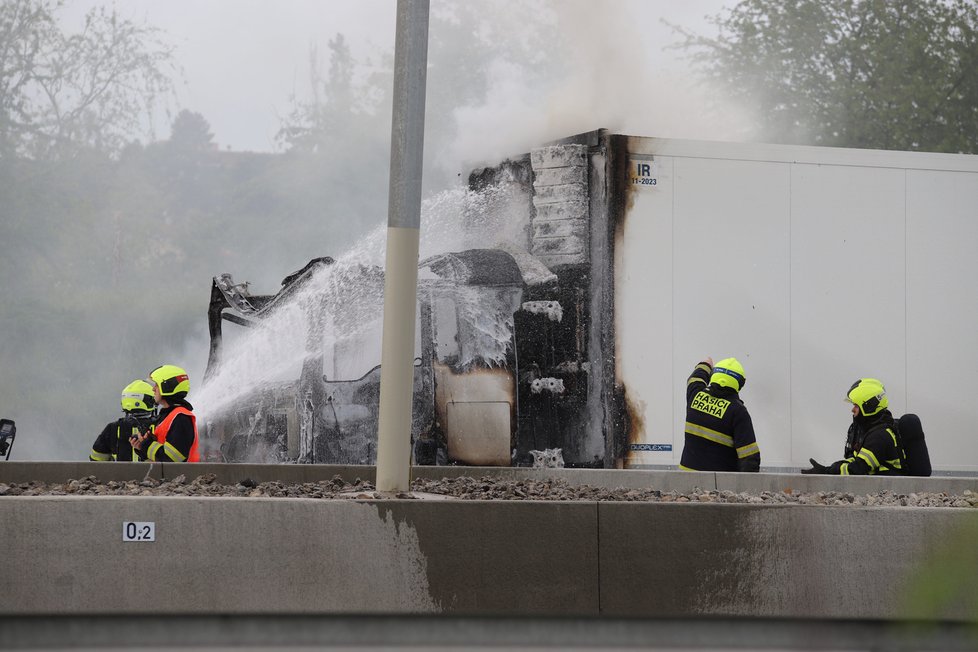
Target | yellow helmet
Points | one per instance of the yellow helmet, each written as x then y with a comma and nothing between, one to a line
138,395
729,373
171,380
869,395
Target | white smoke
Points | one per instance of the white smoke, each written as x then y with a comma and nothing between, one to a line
615,72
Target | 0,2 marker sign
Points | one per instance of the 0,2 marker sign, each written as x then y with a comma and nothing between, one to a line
138,531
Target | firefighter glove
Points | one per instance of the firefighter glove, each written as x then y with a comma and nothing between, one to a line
139,444
816,468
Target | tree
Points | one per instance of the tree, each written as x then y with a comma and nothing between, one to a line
881,74
335,107
24,26
60,92
191,132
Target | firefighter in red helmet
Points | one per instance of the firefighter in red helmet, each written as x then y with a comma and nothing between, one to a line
175,436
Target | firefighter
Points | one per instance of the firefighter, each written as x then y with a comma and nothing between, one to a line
873,446
719,431
139,406
175,435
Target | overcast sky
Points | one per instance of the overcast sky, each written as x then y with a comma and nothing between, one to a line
242,59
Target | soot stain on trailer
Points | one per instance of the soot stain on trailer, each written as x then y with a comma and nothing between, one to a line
630,413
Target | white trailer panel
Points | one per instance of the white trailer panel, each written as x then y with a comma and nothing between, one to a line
814,267
942,309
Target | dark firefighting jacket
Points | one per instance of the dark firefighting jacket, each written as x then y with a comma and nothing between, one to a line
873,447
719,431
112,444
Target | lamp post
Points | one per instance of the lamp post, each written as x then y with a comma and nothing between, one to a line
403,231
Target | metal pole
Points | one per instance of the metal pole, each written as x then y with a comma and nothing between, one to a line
403,228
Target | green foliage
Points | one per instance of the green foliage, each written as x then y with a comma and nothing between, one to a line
61,93
941,584
881,74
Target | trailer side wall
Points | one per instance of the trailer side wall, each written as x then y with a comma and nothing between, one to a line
814,267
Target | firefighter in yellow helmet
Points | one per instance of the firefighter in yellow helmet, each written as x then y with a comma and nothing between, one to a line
139,406
873,446
175,436
719,431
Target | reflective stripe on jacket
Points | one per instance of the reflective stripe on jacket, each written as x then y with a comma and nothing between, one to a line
719,434
113,443
162,450
880,454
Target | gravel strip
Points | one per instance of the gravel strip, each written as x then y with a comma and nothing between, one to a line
467,488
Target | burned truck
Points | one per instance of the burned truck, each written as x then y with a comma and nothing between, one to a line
498,377
625,261
509,366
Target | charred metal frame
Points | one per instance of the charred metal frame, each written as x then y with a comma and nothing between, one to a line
563,355
337,418
247,308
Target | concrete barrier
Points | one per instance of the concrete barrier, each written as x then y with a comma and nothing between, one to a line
66,555
788,561
213,556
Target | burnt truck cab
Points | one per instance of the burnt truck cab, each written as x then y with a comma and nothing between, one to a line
468,384
467,305
515,352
